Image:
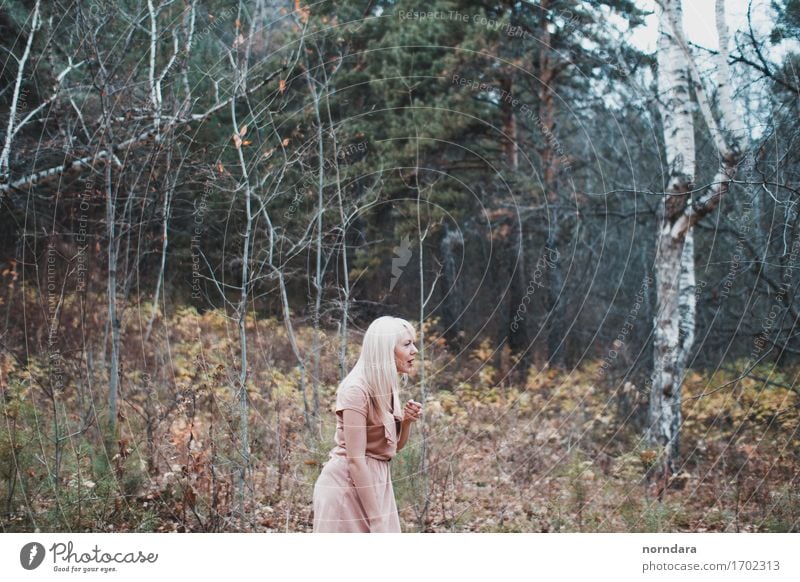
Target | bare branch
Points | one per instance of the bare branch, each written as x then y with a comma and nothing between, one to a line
151,133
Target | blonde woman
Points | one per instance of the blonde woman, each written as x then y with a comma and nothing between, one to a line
354,491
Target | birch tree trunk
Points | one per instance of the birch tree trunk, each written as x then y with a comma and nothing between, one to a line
156,103
5,153
344,222
673,255
675,299
113,320
318,272
108,141
240,65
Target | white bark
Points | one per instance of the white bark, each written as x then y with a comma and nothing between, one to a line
686,299
674,267
318,272
56,88
675,104
345,267
733,122
240,68
686,326
189,28
723,80
12,115
113,319
156,102
675,311
166,210
343,324
155,85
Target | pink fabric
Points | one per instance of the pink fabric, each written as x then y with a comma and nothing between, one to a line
337,507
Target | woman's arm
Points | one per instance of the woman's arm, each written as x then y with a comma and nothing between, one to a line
405,429
411,413
355,439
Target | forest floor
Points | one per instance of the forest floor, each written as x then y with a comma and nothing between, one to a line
558,451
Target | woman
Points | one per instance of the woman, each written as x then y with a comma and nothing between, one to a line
354,491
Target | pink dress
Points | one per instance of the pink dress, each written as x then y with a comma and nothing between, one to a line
337,507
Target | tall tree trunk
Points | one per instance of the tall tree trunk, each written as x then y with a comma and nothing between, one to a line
156,103
451,247
318,271
551,162
113,320
113,255
555,300
675,300
244,438
344,222
5,153
674,330
166,210
673,256
518,337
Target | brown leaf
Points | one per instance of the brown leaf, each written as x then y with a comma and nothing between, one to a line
303,11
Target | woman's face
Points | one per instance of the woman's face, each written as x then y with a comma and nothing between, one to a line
404,353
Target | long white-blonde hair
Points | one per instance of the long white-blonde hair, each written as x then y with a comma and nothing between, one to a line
377,360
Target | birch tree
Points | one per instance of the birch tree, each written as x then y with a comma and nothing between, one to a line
156,82
13,127
319,90
682,206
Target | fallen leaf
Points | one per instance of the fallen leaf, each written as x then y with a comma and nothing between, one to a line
303,11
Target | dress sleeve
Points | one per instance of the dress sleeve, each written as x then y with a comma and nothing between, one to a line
352,397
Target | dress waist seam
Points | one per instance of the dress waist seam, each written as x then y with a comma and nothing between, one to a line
337,453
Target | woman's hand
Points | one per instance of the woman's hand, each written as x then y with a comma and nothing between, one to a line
412,411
